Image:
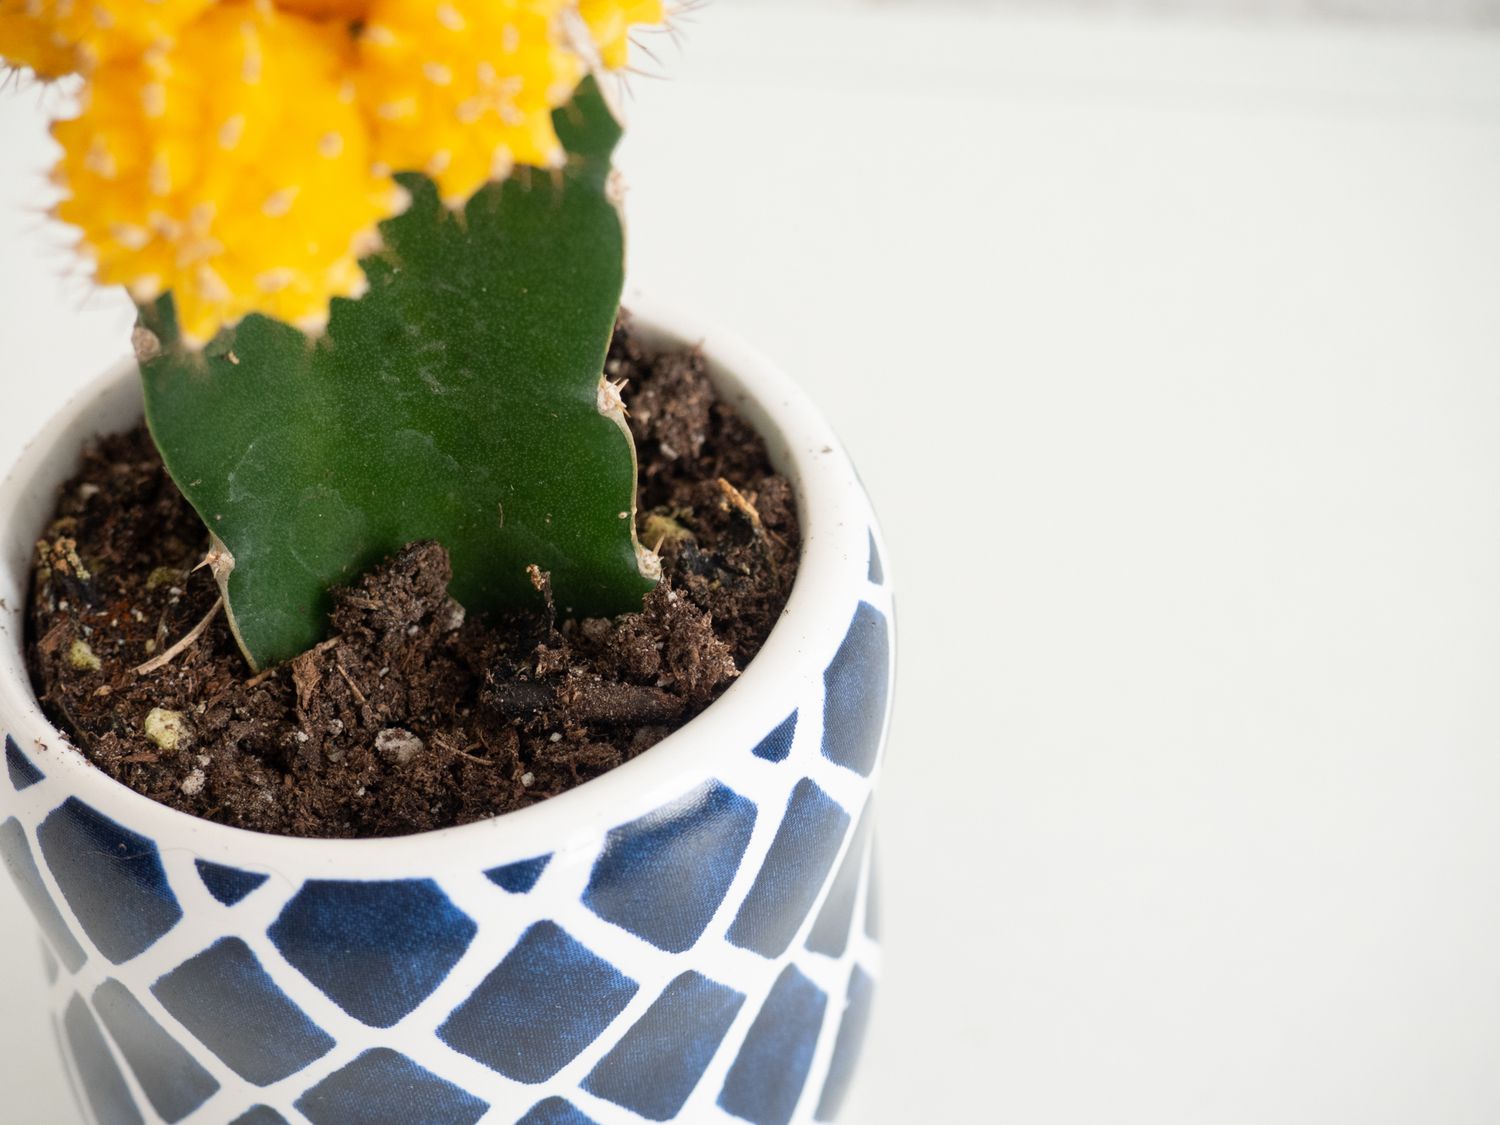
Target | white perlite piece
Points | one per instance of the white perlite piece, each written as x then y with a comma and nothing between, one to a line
194,782
450,617
399,744
167,730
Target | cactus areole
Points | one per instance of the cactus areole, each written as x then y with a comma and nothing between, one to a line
377,254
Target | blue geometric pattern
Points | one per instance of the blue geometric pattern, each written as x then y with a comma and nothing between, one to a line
830,933
519,877
112,878
228,884
846,1047
657,1063
663,876
793,873
384,1087
259,1115
704,955
767,1078
376,949
226,998
555,1111
777,746
23,771
103,1084
174,1082
548,1000
855,688
16,856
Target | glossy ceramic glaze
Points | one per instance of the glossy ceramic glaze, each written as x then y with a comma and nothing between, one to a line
688,938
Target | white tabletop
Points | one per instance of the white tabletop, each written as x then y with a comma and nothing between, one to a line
1171,356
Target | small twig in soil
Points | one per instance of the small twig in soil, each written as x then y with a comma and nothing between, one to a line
591,703
517,698
359,695
261,677
437,741
181,646
740,504
48,644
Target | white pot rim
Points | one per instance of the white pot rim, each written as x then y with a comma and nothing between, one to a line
837,536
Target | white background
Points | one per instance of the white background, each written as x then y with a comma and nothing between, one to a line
1171,355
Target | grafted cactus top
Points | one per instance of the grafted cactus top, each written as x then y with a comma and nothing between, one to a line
240,153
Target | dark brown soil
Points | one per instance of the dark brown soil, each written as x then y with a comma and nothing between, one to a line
408,717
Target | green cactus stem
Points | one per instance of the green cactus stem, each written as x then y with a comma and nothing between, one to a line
460,399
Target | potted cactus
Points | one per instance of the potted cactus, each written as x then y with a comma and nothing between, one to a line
459,699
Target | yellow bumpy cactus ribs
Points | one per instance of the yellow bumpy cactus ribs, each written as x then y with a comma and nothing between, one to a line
609,23
327,9
463,90
240,153
27,39
57,37
232,168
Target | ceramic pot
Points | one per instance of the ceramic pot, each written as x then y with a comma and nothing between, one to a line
688,938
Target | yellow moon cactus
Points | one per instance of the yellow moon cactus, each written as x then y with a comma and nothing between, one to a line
464,90
609,23
234,164
327,9
57,37
26,40
240,153
232,168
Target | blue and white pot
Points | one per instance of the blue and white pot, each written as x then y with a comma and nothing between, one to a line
688,938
